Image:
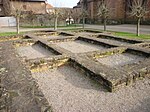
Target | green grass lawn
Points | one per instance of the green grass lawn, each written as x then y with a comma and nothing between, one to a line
122,34
10,33
131,35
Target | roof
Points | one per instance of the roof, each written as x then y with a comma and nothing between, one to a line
34,0
48,6
30,0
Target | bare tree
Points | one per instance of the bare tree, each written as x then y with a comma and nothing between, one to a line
31,16
138,10
6,3
55,13
103,11
17,12
49,18
76,15
84,12
65,14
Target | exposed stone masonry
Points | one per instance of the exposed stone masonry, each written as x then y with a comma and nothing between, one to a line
69,78
112,78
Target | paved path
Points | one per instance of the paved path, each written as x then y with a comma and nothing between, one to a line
145,29
13,29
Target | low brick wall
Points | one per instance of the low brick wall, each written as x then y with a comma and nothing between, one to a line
24,42
46,63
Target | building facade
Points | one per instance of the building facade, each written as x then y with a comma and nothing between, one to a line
8,6
77,12
119,10
4,7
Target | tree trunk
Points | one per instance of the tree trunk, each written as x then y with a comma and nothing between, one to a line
104,24
17,20
138,27
55,23
83,23
32,22
75,22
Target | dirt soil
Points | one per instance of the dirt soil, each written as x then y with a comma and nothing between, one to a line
22,90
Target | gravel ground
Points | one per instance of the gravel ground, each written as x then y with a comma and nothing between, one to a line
116,41
79,46
117,60
53,37
86,34
34,51
68,90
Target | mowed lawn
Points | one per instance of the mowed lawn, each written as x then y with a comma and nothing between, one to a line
10,33
131,35
121,34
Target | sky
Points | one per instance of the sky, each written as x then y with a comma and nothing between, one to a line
63,3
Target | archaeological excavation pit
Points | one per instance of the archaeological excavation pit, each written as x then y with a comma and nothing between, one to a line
123,59
112,69
32,50
64,81
82,45
118,40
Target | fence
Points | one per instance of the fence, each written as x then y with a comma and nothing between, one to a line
7,21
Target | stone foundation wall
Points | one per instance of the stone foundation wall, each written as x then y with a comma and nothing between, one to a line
48,63
112,78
